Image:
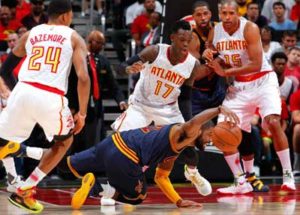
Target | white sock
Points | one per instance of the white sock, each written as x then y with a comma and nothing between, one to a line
296,161
10,167
248,165
234,164
35,177
285,160
34,152
108,191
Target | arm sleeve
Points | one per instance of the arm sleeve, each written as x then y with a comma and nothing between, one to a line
185,103
163,182
6,71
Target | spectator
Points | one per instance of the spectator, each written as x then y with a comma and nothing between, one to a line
295,110
293,64
37,15
23,8
295,12
12,39
151,37
267,10
242,6
85,7
140,24
253,15
21,31
289,40
281,23
137,9
268,45
279,61
7,25
101,78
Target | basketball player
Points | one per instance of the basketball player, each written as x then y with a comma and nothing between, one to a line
124,155
39,95
238,43
167,71
209,91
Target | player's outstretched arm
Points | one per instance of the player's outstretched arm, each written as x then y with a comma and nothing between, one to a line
162,180
83,86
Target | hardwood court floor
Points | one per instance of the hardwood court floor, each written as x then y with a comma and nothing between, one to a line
57,201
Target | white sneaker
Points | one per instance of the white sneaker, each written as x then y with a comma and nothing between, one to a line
202,185
240,186
288,181
14,185
107,202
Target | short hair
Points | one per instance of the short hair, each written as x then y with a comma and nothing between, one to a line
294,48
266,27
200,4
278,55
159,15
230,2
253,2
289,33
278,3
58,7
180,24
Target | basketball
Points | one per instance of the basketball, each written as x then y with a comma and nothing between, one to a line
226,136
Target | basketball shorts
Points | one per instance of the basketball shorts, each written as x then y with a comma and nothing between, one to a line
139,115
123,174
262,93
28,105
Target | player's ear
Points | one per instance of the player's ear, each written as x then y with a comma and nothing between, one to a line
172,37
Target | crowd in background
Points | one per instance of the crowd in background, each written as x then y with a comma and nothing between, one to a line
140,21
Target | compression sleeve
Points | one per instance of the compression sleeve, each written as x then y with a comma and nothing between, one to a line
163,182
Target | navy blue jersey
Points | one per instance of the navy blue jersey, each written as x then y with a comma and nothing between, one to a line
146,146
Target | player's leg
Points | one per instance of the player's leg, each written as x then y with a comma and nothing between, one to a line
246,149
239,103
270,109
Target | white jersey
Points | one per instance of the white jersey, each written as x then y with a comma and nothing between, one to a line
49,56
233,48
160,81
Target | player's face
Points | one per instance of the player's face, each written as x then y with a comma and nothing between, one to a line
181,41
204,138
202,16
229,16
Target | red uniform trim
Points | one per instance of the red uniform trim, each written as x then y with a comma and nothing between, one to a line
45,87
251,77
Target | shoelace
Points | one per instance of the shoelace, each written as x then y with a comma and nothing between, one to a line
198,180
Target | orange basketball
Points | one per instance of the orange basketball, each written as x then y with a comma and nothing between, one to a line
226,136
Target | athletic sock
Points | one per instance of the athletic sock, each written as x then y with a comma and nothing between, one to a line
285,160
35,177
234,164
9,165
248,165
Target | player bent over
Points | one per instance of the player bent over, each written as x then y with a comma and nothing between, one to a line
123,155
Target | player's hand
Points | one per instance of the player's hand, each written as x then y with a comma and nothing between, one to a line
135,68
229,115
123,105
79,121
208,54
216,67
187,204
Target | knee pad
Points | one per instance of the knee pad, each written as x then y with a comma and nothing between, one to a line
246,147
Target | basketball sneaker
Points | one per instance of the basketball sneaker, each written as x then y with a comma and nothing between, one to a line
9,148
82,193
202,185
240,186
288,181
13,185
24,199
107,201
257,184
